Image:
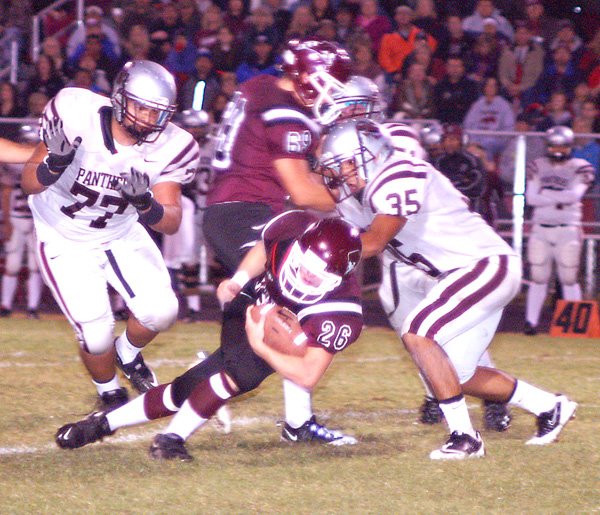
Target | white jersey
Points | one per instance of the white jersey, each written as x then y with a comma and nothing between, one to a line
10,177
84,205
555,188
440,234
405,139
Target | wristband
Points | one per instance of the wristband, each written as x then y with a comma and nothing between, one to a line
241,277
44,176
154,214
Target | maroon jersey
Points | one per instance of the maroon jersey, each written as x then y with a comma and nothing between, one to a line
332,323
261,124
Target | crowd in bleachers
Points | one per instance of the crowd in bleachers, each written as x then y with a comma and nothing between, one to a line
431,59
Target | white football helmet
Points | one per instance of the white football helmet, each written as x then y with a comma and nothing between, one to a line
141,86
359,98
359,140
559,141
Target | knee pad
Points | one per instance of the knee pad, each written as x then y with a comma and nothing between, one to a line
96,337
157,314
567,262
539,255
12,265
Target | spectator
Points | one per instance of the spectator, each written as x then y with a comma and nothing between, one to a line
580,95
138,44
200,89
99,47
322,10
347,32
45,78
456,42
589,114
484,9
591,55
53,49
234,17
559,74
229,84
167,23
36,103
490,112
261,62
426,18
226,52
282,16
138,12
542,27
567,37
302,24
212,21
189,17
57,21
364,64
520,64
557,112
455,93
373,23
414,95
586,148
422,53
93,18
261,21
181,58
9,108
100,83
486,54
397,45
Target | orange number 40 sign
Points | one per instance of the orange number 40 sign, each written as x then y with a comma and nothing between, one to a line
576,319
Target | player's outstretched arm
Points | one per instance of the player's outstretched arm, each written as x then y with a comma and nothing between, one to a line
29,180
251,266
305,371
301,184
15,153
380,233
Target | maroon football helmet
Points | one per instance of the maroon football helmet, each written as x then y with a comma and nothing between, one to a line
318,69
319,259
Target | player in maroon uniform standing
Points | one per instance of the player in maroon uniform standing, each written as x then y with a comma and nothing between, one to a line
305,265
261,159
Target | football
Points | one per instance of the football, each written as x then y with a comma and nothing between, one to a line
282,329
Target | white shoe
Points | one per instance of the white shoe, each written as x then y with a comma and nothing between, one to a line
550,423
460,446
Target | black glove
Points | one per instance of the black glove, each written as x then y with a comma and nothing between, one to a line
60,151
136,190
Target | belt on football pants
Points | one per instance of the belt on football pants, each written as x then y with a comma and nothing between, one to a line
549,226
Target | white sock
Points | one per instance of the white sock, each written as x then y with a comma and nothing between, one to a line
536,295
127,351
34,290
9,287
193,302
185,421
457,416
130,414
298,407
572,292
113,384
532,399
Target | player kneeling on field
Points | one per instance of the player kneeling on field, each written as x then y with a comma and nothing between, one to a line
300,276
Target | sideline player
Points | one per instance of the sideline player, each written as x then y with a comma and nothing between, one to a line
556,184
302,263
460,276
104,165
360,97
17,227
261,163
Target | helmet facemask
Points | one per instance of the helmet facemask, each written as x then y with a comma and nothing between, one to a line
303,277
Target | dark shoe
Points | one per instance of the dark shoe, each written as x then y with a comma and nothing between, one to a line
5,312
191,317
551,423
530,330
496,416
312,431
138,373
169,447
91,429
430,411
460,446
112,399
32,314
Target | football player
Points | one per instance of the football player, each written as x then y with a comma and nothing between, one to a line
555,185
360,97
262,149
302,263
17,228
104,165
459,277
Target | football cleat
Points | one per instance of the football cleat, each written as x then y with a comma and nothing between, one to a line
550,423
32,314
91,429
460,446
430,411
192,317
496,416
312,431
113,399
138,373
4,312
169,447
530,330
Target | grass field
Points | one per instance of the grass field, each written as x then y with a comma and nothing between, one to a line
371,391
